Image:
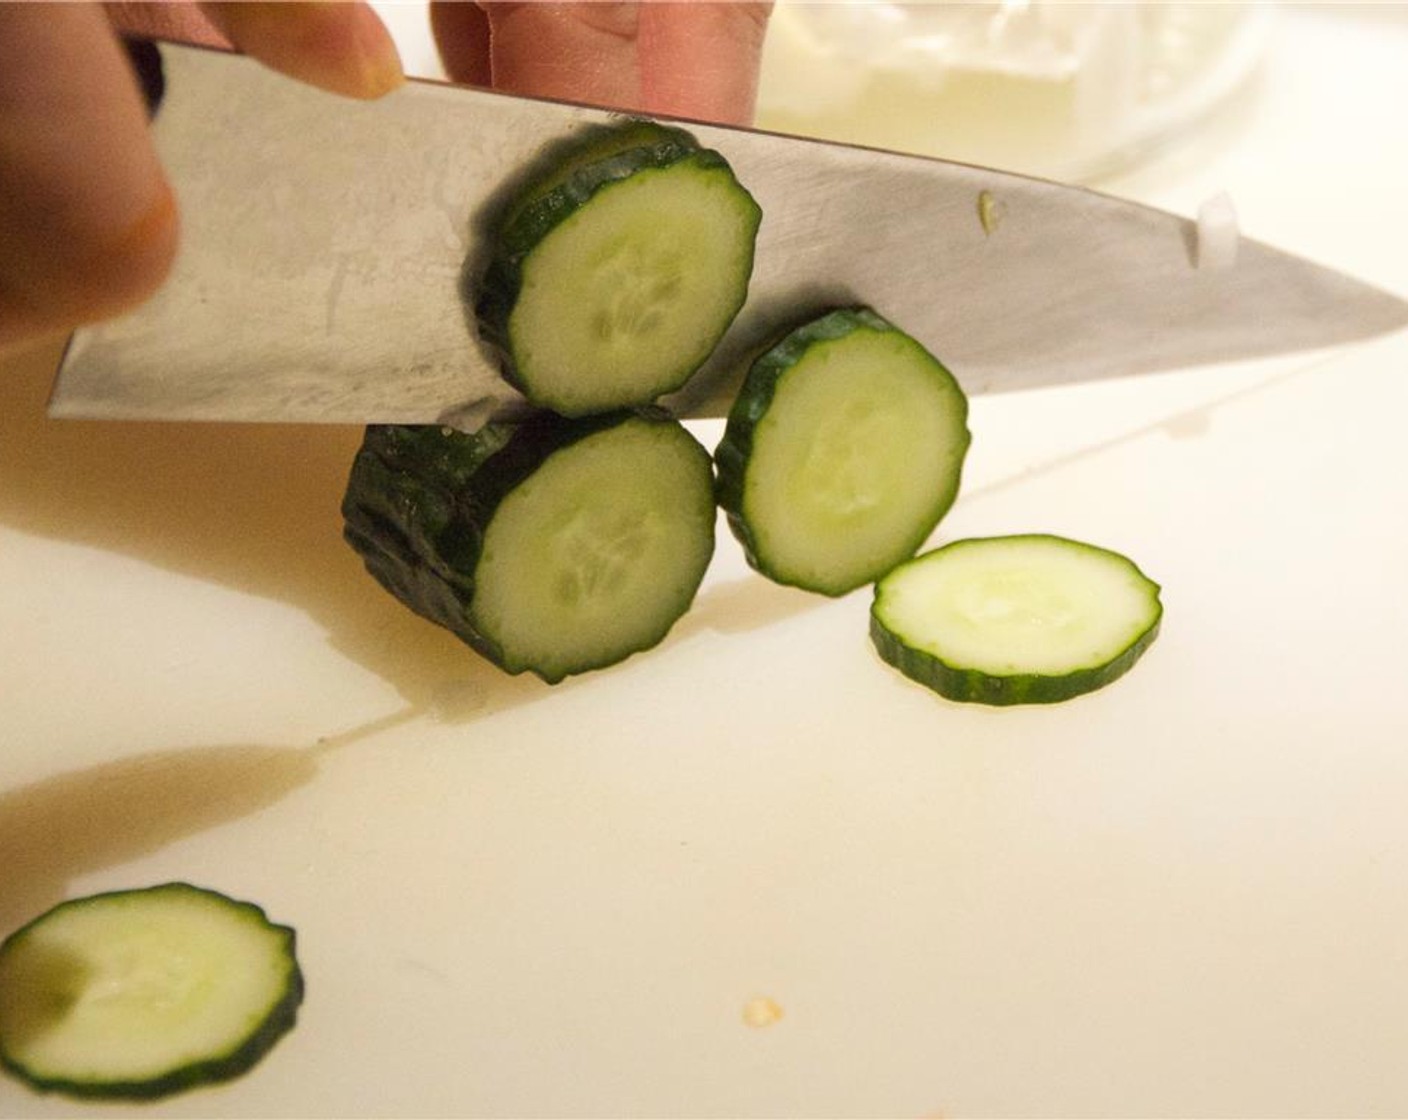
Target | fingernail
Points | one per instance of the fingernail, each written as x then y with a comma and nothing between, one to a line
340,47
381,61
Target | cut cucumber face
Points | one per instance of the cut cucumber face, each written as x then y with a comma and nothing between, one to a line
843,451
555,546
598,553
614,278
1032,619
145,992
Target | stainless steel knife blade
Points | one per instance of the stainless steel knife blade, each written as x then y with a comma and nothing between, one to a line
328,246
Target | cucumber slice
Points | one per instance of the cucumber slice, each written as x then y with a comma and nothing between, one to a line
145,992
613,277
1030,619
842,452
555,545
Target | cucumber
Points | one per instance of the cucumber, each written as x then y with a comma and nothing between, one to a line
141,993
842,451
612,277
1026,619
552,545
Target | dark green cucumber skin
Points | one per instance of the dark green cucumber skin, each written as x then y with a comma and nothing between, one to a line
420,498
975,687
600,159
735,449
240,1060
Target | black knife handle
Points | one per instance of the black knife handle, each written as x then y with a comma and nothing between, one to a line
145,57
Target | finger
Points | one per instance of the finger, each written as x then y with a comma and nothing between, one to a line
340,47
691,58
702,59
178,23
461,31
574,51
87,220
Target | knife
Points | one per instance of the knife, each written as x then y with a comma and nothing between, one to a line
325,242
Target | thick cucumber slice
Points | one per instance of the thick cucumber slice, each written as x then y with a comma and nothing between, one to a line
141,993
1030,619
614,276
843,450
555,546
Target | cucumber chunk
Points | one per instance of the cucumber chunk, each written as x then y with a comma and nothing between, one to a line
145,992
614,277
1029,619
554,546
843,450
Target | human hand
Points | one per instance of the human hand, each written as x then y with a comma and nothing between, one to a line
687,58
88,222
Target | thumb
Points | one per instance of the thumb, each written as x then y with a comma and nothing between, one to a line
689,58
87,220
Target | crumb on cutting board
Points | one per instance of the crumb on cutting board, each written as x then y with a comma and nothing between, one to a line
761,1012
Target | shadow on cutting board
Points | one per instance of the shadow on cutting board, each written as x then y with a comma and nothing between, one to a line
60,828
73,824
253,507
256,507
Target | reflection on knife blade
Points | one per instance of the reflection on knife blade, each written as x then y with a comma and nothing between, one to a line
282,186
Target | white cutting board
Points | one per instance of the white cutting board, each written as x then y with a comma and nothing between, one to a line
1182,895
